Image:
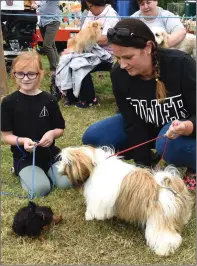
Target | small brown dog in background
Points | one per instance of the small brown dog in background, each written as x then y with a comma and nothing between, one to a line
86,38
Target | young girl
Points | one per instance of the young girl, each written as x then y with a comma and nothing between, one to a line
32,117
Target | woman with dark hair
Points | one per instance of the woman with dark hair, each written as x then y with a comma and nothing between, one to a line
155,91
102,11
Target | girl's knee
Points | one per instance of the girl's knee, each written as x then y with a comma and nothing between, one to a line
40,185
39,189
63,182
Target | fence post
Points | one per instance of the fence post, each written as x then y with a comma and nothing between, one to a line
3,76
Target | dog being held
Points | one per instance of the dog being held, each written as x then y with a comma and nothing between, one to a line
86,38
158,201
188,45
31,220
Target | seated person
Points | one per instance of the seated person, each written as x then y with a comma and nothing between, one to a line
161,18
102,11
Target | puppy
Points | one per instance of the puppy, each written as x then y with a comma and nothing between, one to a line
31,220
86,38
158,201
188,45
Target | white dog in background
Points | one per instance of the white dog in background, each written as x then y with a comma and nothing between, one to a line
158,201
188,45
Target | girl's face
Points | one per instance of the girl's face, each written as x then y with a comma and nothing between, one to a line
28,79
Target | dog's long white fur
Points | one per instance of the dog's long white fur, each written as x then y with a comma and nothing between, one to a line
109,185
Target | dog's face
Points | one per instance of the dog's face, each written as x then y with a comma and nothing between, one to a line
94,28
160,36
77,163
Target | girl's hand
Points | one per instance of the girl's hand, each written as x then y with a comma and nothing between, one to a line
179,128
29,144
47,139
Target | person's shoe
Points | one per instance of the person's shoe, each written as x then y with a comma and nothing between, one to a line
94,102
82,105
69,103
86,105
190,180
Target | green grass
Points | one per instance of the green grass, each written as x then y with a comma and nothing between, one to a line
76,241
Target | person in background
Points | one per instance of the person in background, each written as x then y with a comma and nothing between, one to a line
50,18
154,16
31,117
155,91
102,11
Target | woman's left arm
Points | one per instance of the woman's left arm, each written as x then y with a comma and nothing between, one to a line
188,90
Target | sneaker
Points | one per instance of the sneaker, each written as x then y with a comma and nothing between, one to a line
190,180
82,105
69,103
86,105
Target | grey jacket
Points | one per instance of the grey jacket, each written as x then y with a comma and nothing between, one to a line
73,67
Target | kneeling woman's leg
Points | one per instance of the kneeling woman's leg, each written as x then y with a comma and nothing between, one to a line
107,132
60,181
181,151
40,185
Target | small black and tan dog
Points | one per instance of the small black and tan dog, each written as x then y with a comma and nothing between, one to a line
31,220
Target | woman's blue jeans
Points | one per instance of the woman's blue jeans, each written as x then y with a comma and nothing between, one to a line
180,152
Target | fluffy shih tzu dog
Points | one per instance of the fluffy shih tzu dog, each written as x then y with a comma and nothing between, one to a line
188,45
86,38
157,201
31,220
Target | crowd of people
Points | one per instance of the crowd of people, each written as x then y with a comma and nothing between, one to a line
154,89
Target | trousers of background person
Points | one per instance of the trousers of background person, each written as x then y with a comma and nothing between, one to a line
87,92
49,48
180,152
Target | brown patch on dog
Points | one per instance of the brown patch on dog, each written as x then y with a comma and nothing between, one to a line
137,197
80,166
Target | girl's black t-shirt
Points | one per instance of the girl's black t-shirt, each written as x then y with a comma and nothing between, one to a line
31,117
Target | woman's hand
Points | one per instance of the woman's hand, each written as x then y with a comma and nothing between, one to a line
47,139
179,128
66,51
29,144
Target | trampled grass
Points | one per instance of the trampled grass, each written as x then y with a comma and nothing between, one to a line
76,241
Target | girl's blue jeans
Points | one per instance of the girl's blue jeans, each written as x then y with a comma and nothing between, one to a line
180,152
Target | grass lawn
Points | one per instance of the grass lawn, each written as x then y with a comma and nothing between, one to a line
76,241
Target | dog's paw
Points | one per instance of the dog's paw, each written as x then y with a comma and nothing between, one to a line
57,219
88,216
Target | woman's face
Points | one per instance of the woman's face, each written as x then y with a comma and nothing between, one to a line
96,10
148,7
134,61
30,82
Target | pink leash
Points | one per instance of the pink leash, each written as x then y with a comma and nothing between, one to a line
141,144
